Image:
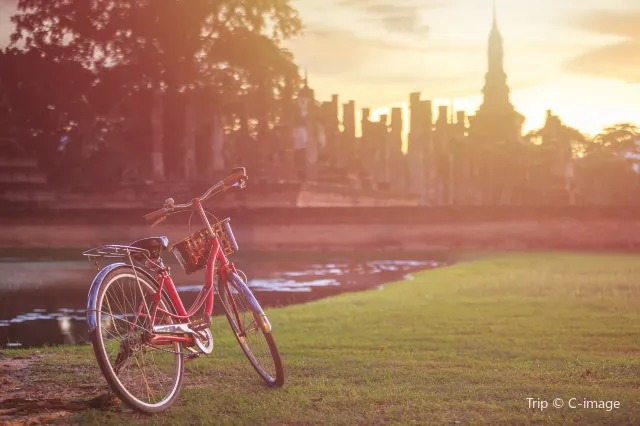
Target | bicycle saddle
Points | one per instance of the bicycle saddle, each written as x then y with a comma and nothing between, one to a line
153,244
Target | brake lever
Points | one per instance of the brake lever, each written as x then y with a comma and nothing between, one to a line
157,222
241,183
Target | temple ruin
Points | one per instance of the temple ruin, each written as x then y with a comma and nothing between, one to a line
451,159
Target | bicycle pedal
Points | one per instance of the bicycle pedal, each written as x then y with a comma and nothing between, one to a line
191,357
200,322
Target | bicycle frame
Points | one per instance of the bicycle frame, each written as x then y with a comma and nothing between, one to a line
224,269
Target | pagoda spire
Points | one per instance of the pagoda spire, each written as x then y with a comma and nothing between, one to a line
496,90
496,53
495,37
496,119
305,91
495,19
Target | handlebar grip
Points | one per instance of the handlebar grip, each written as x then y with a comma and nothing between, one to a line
238,173
153,216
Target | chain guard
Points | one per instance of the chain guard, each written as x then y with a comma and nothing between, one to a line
208,338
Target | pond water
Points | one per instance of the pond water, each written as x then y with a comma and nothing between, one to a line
43,299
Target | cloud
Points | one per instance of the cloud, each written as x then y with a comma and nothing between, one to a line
357,66
343,52
619,60
338,51
394,16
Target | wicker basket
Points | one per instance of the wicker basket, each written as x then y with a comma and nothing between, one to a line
193,252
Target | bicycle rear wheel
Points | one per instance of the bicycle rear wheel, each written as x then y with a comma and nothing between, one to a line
244,315
147,378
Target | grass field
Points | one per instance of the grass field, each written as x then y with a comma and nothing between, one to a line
463,344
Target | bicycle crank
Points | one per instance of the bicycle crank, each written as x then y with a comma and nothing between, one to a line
202,338
200,321
204,341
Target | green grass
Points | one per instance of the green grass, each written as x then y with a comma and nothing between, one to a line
463,344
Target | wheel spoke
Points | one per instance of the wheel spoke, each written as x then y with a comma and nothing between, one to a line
141,375
252,340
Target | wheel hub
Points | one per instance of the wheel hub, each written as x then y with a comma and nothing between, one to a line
131,344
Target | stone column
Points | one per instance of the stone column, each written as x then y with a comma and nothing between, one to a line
301,140
286,134
382,159
348,148
395,157
439,163
570,183
6,128
262,149
457,170
190,138
333,134
157,153
432,163
324,112
217,143
415,145
366,149
427,140
311,129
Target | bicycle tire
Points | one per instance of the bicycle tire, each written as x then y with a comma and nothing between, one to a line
126,395
241,288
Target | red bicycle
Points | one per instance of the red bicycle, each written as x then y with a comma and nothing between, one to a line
141,332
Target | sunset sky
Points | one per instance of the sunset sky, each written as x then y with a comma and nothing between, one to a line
577,58
580,59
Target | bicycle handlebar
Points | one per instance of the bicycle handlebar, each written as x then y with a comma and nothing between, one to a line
239,177
153,216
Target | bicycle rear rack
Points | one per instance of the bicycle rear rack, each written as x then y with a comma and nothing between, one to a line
114,251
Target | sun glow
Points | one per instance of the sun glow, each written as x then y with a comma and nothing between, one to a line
576,106
572,58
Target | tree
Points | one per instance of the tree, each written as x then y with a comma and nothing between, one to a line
552,154
561,135
168,42
45,107
61,112
607,176
135,47
616,138
267,70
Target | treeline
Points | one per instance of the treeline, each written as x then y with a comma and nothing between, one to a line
82,77
602,169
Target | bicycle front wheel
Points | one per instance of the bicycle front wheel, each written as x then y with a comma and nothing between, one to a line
244,315
145,377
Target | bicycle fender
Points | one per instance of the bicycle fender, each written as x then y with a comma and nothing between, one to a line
263,321
92,300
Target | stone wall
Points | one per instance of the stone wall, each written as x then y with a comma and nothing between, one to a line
258,194
350,229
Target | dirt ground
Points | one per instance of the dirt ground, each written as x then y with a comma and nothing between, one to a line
30,395
42,387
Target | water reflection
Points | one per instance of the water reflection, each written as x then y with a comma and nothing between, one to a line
55,314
